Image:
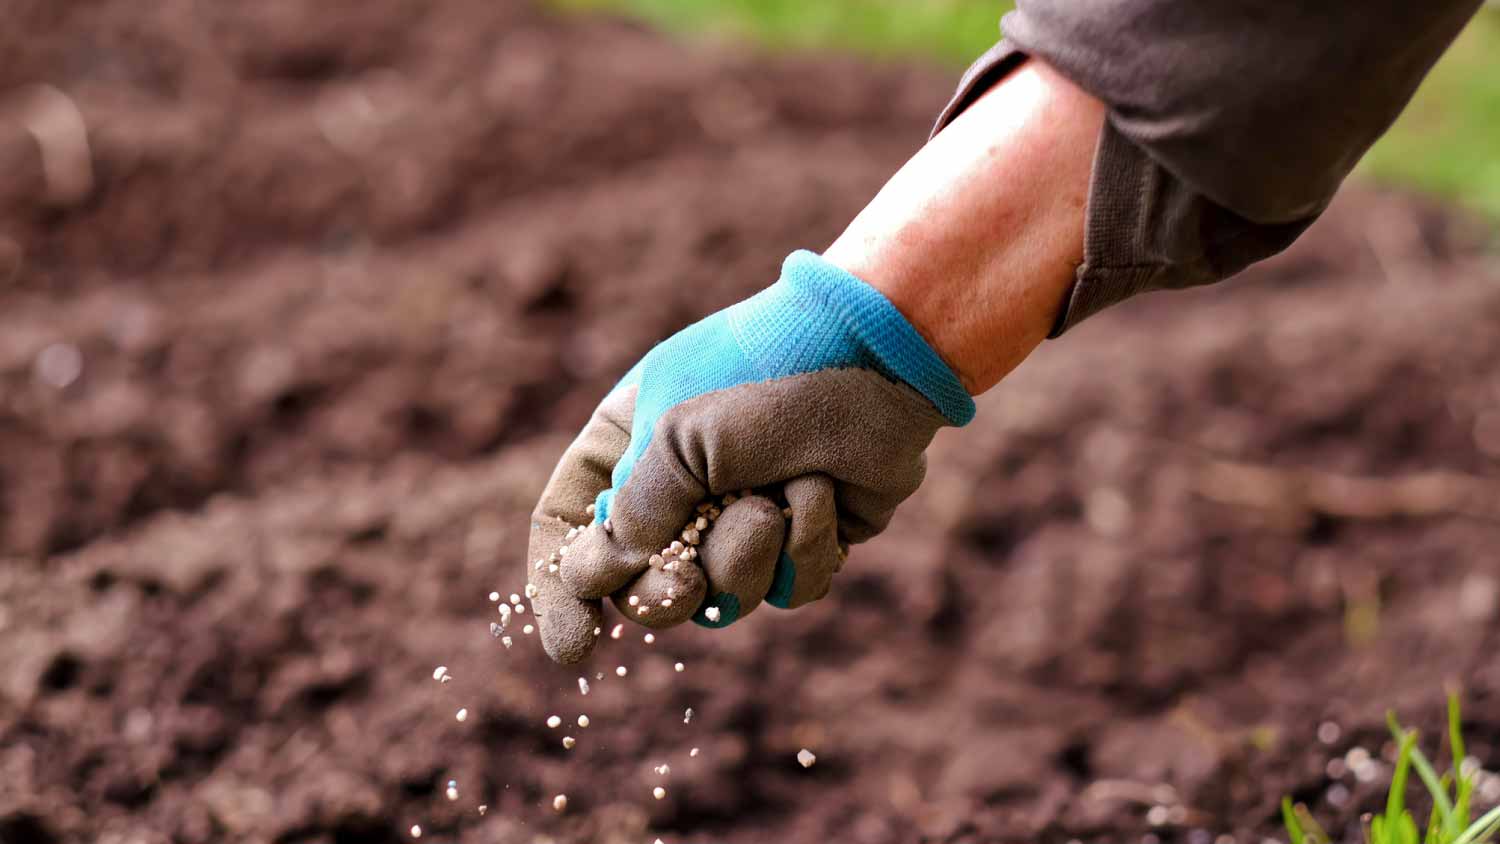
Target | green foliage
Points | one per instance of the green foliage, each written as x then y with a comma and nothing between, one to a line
1451,793
951,31
1444,144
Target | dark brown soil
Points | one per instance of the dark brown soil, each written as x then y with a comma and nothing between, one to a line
351,274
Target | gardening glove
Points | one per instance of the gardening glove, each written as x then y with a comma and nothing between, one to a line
800,415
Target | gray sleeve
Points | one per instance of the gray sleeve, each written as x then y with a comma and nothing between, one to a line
1231,122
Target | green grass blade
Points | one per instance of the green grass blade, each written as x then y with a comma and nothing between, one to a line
1315,832
1395,801
1289,820
1441,804
1455,732
1482,829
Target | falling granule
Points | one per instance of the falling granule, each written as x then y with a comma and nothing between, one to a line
504,610
560,802
496,630
621,671
506,641
494,596
461,715
712,613
663,769
806,758
416,831
554,722
649,638
659,793
583,685
528,630
483,808
439,673
693,752
568,742
635,600
452,791
679,668
666,602
583,721
596,632
514,598
615,633
520,609
687,716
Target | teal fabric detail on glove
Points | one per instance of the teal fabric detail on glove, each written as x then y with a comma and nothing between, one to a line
782,583
816,317
729,611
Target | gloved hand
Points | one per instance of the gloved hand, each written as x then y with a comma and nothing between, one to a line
815,394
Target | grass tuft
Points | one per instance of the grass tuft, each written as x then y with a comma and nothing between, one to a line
1451,792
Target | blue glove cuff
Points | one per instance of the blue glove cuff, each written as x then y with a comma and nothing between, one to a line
786,329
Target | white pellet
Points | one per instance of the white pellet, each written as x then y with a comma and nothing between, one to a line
496,629
452,790
642,610
516,599
530,593
483,808
583,685
712,613
589,509
687,715
528,630
663,770
656,561
700,524
507,641
596,631
461,715
649,638
615,633
560,802
440,672
554,722
504,610
621,671
568,742
679,668
693,752
806,758
635,600
583,721
416,831
666,602
552,568
659,793
520,609
494,596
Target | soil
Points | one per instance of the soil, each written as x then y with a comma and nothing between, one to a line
280,389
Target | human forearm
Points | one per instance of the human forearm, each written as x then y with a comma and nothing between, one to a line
976,239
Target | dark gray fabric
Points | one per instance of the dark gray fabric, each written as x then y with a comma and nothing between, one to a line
1231,122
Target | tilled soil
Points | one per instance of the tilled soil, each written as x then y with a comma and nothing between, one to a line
280,390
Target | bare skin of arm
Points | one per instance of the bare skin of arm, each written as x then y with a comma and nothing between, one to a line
976,239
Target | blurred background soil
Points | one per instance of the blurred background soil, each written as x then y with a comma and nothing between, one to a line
280,382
